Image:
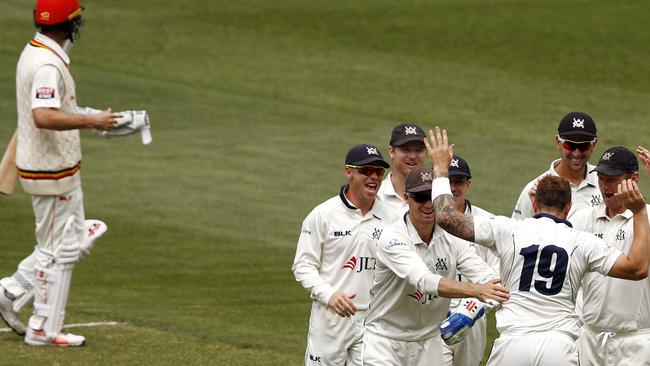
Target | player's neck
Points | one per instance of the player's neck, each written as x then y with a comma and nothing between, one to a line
574,176
612,211
424,229
58,37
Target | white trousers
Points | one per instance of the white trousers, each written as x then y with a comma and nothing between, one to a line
51,213
332,339
539,349
382,351
615,349
468,352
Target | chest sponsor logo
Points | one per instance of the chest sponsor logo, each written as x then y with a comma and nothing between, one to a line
342,233
441,264
305,230
421,297
595,200
395,243
376,234
45,93
620,236
360,264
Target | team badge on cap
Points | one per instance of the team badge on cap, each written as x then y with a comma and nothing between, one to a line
607,156
372,150
578,123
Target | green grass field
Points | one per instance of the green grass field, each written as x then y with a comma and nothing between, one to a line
254,104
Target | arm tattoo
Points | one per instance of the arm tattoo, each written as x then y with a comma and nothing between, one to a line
452,221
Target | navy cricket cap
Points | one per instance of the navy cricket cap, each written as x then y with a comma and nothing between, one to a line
405,133
365,154
459,166
419,180
617,161
577,127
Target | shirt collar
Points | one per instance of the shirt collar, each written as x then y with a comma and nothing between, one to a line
52,45
591,178
375,210
413,233
601,213
554,218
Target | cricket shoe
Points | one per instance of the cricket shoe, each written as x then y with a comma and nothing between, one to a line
38,338
9,315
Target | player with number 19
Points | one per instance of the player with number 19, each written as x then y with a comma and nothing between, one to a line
543,259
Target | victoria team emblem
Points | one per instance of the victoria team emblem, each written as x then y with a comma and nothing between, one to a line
578,123
372,151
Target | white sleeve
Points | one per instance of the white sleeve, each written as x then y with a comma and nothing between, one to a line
46,89
470,264
599,256
402,260
524,207
306,264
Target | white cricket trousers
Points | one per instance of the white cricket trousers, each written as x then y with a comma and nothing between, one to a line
538,349
598,348
469,351
382,351
51,213
332,339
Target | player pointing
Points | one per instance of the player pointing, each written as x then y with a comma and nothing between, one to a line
543,260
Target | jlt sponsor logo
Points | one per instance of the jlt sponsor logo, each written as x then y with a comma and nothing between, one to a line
420,297
364,263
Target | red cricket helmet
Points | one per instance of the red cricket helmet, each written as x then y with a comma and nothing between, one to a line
52,12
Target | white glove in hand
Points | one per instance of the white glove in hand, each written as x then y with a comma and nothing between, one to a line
455,327
131,122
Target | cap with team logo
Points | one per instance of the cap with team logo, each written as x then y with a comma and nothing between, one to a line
577,126
365,154
405,133
459,166
617,161
419,180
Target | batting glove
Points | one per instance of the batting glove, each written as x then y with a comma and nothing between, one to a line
455,327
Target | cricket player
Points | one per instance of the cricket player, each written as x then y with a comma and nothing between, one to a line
415,277
49,160
575,141
543,259
470,350
407,151
335,260
616,313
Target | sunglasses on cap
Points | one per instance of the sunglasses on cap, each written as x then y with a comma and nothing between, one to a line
420,197
368,170
572,145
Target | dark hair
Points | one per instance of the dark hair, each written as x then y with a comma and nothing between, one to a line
71,28
553,192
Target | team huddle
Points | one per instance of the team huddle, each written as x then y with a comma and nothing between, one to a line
401,267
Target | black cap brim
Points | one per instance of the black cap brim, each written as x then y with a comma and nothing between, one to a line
418,189
608,170
406,140
453,173
373,161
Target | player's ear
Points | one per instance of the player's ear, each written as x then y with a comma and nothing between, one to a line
348,173
566,210
635,177
391,151
535,206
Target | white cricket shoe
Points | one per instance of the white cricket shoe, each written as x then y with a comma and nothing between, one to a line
9,315
38,338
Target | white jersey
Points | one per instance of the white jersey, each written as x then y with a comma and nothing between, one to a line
390,198
543,261
585,195
335,249
405,305
485,253
613,304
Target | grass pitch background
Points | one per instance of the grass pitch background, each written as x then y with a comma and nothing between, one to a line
253,106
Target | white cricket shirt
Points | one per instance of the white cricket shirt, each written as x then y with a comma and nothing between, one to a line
613,304
587,194
405,304
543,260
335,250
390,198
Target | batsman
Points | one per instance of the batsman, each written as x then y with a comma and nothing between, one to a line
48,160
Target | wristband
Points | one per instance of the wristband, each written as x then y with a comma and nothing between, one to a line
440,187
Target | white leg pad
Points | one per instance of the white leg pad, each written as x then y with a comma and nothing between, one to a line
49,305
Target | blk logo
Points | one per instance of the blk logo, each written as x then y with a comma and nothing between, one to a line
600,235
343,233
314,358
364,264
420,297
441,264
